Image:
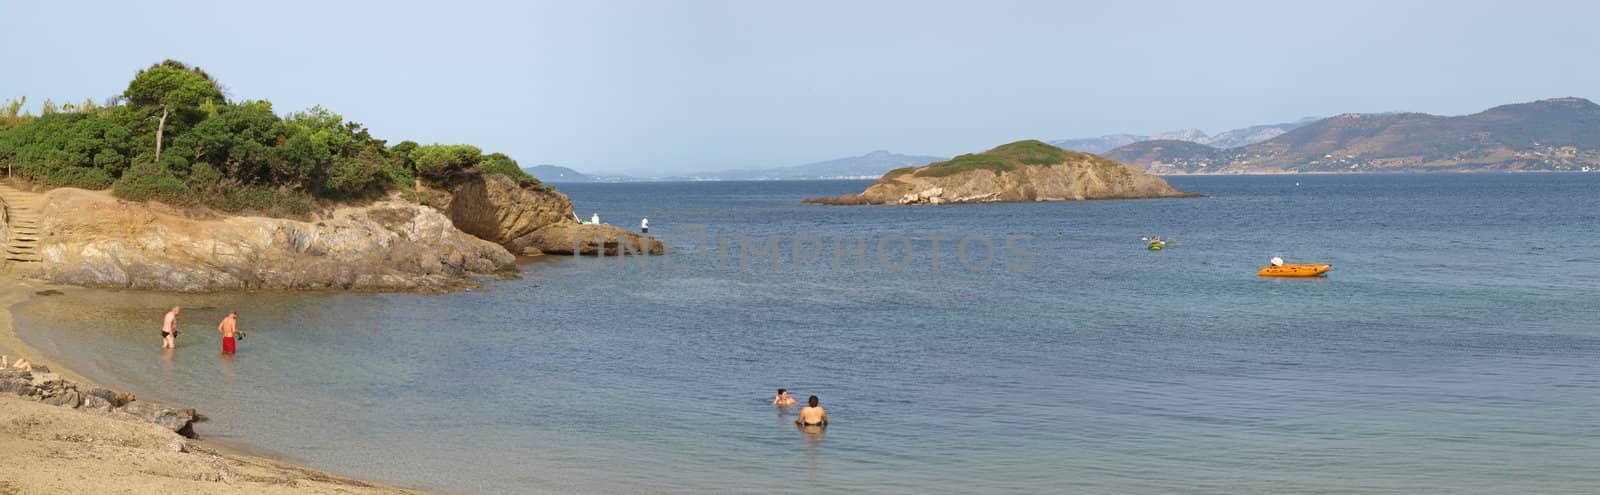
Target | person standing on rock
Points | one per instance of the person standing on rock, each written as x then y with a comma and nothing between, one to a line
644,226
595,218
169,329
228,328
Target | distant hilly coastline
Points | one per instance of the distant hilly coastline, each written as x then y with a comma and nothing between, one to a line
1226,139
868,166
1561,134
1554,135
557,174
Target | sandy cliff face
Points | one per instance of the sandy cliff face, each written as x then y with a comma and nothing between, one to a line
92,239
1079,177
529,221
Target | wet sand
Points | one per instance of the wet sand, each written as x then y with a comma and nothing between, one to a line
49,449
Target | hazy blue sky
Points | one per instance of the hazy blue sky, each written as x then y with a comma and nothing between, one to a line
655,87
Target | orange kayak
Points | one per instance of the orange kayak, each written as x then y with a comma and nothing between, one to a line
1309,270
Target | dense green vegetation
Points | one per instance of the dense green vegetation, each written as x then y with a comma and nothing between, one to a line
174,136
1003,158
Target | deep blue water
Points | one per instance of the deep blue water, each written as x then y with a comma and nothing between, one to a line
1452,349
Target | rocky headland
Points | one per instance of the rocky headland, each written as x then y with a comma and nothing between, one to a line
1021,171
470,231
531,221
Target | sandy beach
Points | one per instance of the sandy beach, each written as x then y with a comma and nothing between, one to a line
52,449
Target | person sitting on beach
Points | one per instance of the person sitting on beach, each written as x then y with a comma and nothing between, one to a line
783,399
20,364
169,329
229,327
812,415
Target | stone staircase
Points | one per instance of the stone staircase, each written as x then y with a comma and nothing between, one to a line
22,216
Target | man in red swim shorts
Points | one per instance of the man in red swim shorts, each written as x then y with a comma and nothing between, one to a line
229,327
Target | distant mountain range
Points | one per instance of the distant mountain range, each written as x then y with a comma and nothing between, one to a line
869,166
1547,135
1226,139
553,173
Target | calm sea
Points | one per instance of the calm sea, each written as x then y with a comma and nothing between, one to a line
1454,348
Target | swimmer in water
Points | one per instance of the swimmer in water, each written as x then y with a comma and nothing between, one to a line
783,399
812,414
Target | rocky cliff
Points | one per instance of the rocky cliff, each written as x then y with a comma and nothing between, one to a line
93,239
531,220
1020,171
470,228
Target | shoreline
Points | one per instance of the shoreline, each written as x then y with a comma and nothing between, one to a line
1389,172
79,451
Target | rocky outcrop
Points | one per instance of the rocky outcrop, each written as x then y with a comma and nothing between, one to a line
51,389
588,239
1022,171
92,239
531,220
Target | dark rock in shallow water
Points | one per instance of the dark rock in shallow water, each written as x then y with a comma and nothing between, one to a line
115,398
53,390
177,420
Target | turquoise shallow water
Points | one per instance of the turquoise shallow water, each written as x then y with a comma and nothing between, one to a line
1452,349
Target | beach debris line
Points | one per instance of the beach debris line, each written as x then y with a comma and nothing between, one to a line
49,388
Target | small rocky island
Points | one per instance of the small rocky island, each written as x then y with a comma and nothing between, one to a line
1022,171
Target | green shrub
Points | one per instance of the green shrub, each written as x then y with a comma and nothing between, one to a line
163,188
203,173
499,163
230,155
79,177
263,200
1030,152
110,161
350,178
152,182
1003,158
968,162
445,160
